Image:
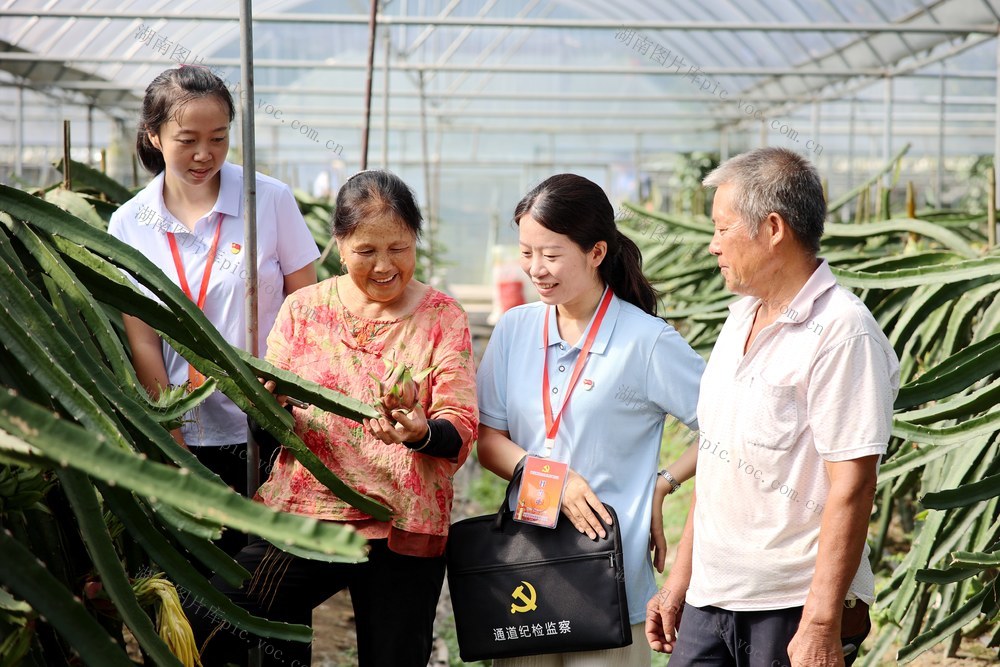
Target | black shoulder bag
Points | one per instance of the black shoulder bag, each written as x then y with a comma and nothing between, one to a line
519,589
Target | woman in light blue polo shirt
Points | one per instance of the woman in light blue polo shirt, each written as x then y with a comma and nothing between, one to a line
638,370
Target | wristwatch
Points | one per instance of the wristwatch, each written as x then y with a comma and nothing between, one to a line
674,484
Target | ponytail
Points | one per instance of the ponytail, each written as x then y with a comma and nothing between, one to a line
622,271
149,155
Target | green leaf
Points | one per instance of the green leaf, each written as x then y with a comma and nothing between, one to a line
30,429
27,576
866,231
953,623
948,435
187,324
949,576
307,391
966,494
956,407
86,177
189,581
27,324
88,513
929,275
955,373
75,204
980,559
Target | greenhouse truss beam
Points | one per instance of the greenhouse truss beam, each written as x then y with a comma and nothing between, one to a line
874,50
302,114
486,22
847,88
872,128
627,129
837,73
983,100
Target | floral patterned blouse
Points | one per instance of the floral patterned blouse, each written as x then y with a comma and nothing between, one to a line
316,337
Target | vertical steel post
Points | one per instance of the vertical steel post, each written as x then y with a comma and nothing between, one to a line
996,123
427,177
249,232
368,84
19,135
67,168
850,144
387,41
887,131
939,184
249,213
90,135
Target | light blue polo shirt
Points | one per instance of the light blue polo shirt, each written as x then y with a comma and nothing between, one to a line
639,370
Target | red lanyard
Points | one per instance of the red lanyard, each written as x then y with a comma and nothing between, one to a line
209,264
552,424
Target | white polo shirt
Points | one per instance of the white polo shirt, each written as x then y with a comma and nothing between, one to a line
284,245
816,385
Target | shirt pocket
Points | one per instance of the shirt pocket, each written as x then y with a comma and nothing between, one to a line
772,415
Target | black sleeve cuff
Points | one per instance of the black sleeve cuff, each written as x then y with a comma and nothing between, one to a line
445,442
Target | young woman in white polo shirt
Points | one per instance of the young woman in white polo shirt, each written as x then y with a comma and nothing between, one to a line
189,222
597,313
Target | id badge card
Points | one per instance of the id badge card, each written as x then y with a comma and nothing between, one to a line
195,378
540,496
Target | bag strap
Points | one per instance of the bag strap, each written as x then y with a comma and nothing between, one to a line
512,487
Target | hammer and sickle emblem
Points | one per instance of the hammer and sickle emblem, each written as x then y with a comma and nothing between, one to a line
546,468
527,598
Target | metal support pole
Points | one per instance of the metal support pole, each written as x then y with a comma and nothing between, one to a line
996,124
724,144
427,176
850,144
368,84
887,131
815,124
939,184
249,223
387,42
19,135
991,213
637,162
90,135
67,168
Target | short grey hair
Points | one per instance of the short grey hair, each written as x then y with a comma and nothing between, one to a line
775,180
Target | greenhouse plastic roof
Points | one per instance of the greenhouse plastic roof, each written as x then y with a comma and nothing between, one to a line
536,65
514,90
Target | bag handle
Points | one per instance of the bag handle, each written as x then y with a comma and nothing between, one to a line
512,486
504,511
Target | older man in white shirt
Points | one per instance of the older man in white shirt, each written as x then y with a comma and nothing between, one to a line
795,411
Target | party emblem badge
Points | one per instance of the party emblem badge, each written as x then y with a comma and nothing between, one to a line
526,595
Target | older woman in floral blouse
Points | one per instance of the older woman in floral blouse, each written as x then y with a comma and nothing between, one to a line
338,333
